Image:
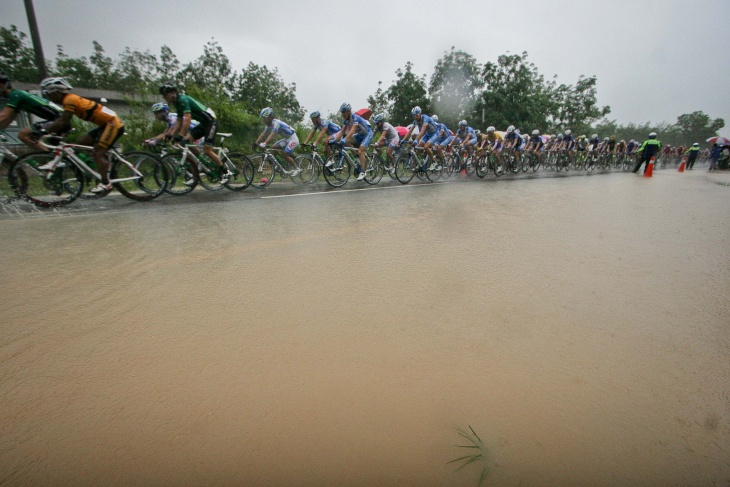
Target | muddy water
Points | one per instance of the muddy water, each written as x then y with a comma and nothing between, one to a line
579,325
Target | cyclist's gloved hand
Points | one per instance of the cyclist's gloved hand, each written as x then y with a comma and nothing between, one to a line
177,138
262,145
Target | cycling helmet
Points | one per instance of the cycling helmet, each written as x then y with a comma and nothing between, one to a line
160,107
535,132
594,136
478,132
490,130
50,85
605,139
378,118
314,114
652,135
568,132
267,112
510,129
613,137
695,144
345,107
462,123
416,111
517,131
167,87
435,117
560,137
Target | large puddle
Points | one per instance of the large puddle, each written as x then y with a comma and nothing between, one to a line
579,325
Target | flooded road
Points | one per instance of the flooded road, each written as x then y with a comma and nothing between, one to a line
579,325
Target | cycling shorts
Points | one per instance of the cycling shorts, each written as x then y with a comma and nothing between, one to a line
205,130
363,140
445,141
288,144
430,138
105,135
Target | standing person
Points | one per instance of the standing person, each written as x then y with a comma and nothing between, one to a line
692,154
109,126
188,108
22,101
650,148
358,133
714,156
288,142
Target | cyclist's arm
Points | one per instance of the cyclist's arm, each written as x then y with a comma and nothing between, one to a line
185,124
7,116
61,123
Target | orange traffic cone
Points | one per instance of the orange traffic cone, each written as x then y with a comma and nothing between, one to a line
681,166
650,168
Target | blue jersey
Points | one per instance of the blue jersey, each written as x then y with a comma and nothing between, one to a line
172,121
279,128
427,125
447,132
332,128
465,133
569,141
363,126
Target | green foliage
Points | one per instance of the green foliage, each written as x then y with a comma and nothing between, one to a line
378,102
455,87
576,106
407,91
478,453
258,87
17,58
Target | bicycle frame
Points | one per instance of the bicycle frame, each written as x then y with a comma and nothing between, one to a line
64,149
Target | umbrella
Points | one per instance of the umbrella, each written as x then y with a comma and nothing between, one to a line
365,113
402,131
719,140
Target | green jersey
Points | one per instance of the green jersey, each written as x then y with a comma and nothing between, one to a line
40,107
186,104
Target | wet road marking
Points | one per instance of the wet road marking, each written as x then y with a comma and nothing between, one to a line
337,191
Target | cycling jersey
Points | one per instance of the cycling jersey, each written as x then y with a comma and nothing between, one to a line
428,125
332,128
278,127
186,104
20,100
512,137
595,142
568,141
391,134
88,110
172,121
363,126
536,141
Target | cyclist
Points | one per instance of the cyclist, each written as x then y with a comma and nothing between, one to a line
631,147
188,107
428,133
324,129
445,136
568,144
513,140
22,101
357,133
288,142
611,144
621,147
109,126
650,148
162,113
388,136
535,143
581,144
466,137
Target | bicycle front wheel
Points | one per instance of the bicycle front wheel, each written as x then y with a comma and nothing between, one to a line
46,189
242,170
143,176
183,177
482,166
263,171
309,169
375,169
337,170
404,168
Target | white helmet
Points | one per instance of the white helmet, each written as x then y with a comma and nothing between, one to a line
594,136
490,130
51,85
511,129
535,132
435,117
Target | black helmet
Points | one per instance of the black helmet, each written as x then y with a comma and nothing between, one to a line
167,87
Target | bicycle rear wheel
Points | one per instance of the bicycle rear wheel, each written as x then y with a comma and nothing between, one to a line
434,174
309,169
46,189
242,170
149,185
375,169
482,166
263,171
337,173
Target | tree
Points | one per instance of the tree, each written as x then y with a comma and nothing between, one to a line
576,106
258,87
137,72
76,70
515,94
407,91
698,127
455,87
211,70
17,59
378,102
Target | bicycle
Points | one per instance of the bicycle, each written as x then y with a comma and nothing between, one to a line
137,175
314,160
341,164
7,158
409,164
186,175
266,164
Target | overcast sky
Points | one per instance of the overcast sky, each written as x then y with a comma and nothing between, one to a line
654,60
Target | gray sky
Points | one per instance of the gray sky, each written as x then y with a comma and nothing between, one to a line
654,60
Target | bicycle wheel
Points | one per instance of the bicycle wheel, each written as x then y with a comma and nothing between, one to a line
183,178
448,162
263,171
537,161
525,162
46,189
482,166
149,185
338,172
375,169
434,174
242,170
309,169
210,177
404,168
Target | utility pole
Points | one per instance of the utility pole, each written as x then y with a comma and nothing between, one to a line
36,38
